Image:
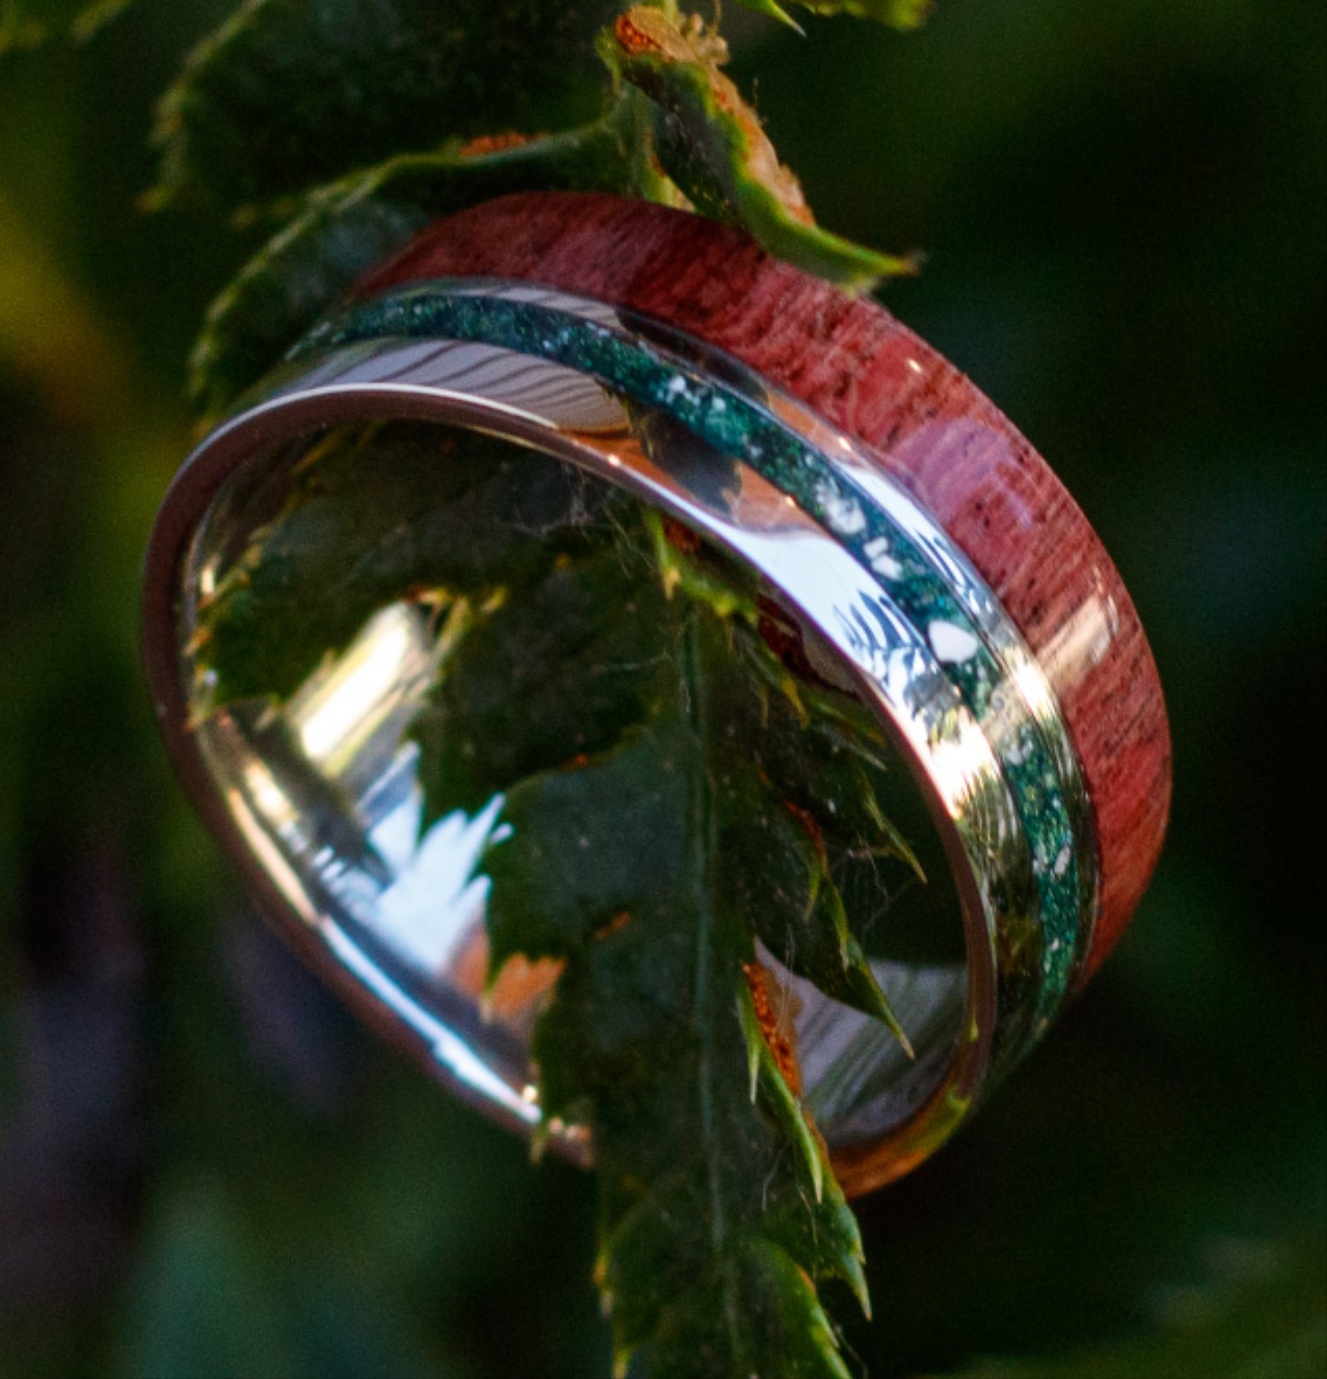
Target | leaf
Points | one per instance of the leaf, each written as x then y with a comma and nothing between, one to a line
560,885
343,229
769,1073
842,775
898,14
643,1041
782,1328
611,684
712,146
26,23
622,867
288,94
558,674
340,549
772,10
340,230
786,894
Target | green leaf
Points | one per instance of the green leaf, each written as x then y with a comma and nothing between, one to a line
706,137
786,894
769,1078
712,146
799,698
26,23
781,1329
698,573
288,94
340,548
675,779
541,682
643,1042
560,885
898,14
622,867
342,230
773,10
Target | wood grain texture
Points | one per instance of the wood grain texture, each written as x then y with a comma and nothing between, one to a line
928,425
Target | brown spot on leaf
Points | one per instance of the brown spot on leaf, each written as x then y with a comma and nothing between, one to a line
809,825
617,922
633,39
496,143
680,537
776,1025
521,983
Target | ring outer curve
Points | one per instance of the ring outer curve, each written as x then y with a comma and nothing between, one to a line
330,378
927,425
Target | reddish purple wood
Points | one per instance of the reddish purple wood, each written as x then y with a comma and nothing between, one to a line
925,421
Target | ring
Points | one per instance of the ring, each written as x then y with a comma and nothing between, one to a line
907,547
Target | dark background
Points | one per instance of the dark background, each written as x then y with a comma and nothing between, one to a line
207,1168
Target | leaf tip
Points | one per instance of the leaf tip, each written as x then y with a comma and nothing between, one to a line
855,1277
775,11
816,1161
884,1012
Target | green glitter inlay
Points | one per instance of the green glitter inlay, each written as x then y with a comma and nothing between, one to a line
740,429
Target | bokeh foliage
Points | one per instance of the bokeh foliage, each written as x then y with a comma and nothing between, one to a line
205,1166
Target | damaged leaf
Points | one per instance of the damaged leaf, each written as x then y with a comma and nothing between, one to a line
712,146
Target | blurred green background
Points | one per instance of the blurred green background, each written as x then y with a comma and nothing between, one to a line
206,1168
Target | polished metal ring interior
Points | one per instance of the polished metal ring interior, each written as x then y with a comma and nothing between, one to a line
318,801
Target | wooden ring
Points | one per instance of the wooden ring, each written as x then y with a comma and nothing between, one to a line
1028,702
929,426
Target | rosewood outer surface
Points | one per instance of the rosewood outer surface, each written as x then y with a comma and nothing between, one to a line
923,419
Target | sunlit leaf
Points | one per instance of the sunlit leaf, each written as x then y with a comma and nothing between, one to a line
711,145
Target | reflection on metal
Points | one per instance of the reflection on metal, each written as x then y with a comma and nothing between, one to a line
362,691
437,900
335,819
322,801
861,1081
962,763
451,1052
417,890
510,382
269,801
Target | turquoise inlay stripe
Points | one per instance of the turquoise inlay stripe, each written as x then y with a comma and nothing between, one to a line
743,430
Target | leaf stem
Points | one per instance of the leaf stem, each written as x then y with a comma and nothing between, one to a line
703,844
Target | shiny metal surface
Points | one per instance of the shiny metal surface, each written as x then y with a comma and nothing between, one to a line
319,802
719,400
1028,696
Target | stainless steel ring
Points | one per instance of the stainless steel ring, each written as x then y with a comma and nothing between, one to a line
854,557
